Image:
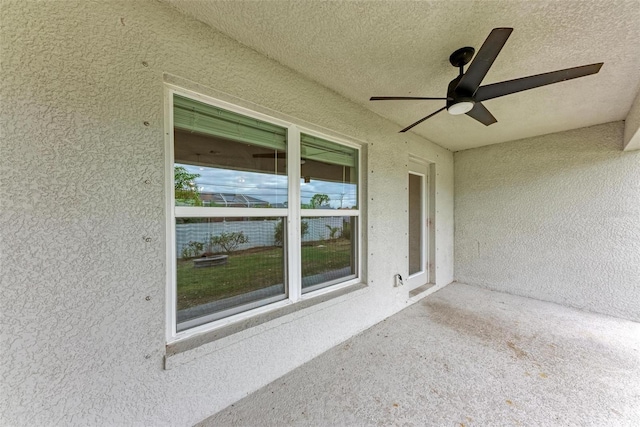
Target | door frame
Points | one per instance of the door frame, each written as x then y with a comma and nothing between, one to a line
421,168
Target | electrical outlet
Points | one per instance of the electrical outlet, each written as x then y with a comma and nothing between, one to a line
398,281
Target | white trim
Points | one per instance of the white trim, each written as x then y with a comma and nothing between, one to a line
293,215
329,283
182,84
210,318
225,105
294,252
211,212
236,318
418,167
419,160
309,213
359,231
171,267
330,288
330,138
432,220
431,289
425,222
228,320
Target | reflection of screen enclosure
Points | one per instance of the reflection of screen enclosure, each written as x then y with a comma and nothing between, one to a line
235,161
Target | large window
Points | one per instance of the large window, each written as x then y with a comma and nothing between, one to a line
262,214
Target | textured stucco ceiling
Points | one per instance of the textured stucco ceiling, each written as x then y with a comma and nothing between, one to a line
361,49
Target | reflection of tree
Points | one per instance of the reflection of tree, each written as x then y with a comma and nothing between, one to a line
185,187
229,242
278,231
319,200
333,232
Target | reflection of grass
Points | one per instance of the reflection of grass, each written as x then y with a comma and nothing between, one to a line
253,269
334,255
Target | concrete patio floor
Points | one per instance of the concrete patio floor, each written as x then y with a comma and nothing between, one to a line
463,356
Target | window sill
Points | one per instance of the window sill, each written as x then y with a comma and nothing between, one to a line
175,348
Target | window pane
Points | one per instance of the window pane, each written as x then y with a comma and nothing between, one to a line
329,253
226,266
415,223
197,117
224,159
329,174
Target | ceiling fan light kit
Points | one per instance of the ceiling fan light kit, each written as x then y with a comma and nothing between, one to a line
465,95
460,107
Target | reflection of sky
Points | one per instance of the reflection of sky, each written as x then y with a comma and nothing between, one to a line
269,187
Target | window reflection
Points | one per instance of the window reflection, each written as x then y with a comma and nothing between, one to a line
328,251
329,175
227,265
223,159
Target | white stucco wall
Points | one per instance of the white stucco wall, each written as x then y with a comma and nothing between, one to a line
82,188
632,126
555,218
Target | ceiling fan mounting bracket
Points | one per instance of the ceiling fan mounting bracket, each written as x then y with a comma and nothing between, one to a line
462,56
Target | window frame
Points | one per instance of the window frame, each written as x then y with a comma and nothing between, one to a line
292,214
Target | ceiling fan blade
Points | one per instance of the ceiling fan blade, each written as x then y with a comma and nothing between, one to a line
422,120
508,87
399,98
480,65
481,114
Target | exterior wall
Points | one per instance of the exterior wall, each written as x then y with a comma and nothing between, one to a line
632,126
555,218
83,215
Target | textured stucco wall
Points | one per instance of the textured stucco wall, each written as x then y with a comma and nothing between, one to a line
555,218
632,126
83,218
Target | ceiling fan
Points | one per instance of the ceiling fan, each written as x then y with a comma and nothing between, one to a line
465,95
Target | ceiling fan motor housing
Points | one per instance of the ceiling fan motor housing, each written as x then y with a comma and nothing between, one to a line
458,103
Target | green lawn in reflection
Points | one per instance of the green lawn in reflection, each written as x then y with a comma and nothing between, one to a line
254,269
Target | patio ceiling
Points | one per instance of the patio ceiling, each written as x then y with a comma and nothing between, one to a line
361,49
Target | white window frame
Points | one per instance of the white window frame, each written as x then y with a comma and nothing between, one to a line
423,274
293,214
